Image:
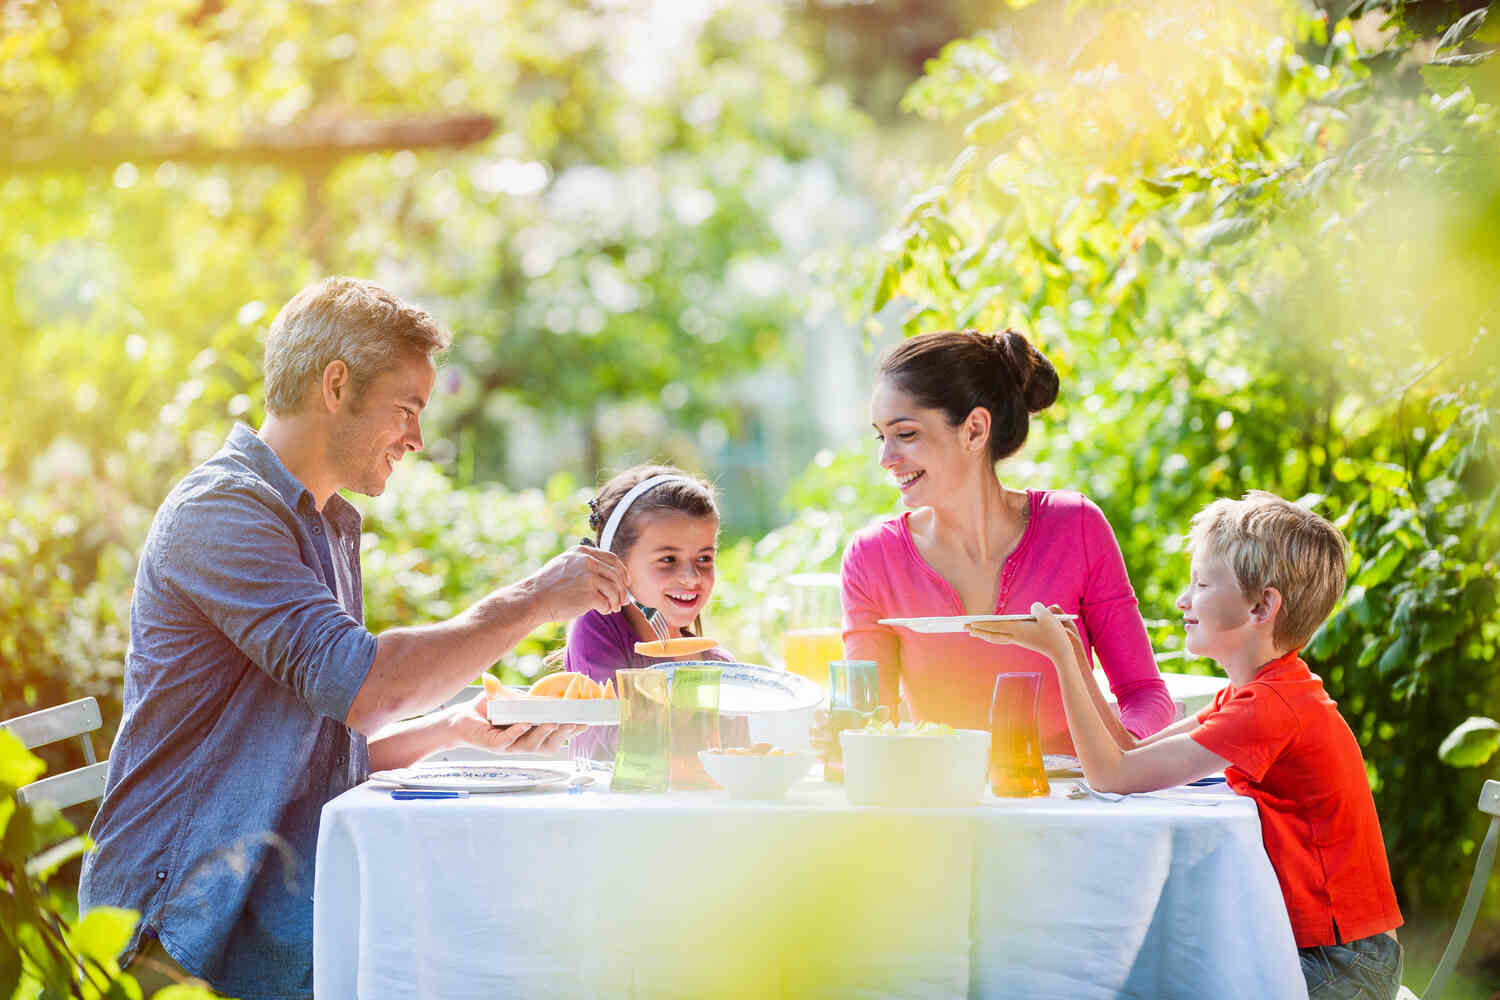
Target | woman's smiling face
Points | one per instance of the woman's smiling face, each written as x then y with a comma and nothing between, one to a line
923,453
671,564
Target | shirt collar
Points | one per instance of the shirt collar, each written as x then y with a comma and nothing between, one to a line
262,458
1288,662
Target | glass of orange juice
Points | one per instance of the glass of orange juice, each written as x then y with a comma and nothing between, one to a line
814,625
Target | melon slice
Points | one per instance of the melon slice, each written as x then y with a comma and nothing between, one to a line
492,685
609,690
553,685
682,646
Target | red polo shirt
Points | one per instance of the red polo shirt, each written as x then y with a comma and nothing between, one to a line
1291,751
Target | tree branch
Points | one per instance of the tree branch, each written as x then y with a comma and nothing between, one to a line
309,143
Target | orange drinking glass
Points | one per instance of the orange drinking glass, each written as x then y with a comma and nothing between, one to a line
1016,769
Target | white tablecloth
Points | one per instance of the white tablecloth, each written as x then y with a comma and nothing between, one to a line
689,894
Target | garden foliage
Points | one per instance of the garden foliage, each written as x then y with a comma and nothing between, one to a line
1261,246
42,954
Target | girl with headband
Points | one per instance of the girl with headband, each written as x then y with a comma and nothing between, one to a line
664,525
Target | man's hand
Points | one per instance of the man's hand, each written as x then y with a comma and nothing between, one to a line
581,579
471,727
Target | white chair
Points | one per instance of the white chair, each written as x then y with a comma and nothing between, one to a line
1489,801
52,725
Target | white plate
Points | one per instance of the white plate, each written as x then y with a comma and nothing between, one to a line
1062,765
750,689
472,776
960,623
577,711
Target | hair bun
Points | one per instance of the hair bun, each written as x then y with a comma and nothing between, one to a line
1033,374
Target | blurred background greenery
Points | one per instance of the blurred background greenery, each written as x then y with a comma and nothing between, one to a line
1261,242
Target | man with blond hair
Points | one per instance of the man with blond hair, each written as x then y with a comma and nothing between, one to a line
253,692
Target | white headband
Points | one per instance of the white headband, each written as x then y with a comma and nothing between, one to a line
618,514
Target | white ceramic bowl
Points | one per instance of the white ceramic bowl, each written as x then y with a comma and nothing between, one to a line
747,776
903,768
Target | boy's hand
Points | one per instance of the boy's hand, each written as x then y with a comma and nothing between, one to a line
1046,635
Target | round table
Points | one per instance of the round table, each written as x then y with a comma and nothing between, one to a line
589,893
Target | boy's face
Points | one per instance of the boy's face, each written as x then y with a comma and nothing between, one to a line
1215,611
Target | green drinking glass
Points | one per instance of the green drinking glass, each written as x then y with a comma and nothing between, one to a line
695,722
641,761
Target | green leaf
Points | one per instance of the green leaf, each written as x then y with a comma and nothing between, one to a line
1224,232
1462,28
1473,743
977,304
49,861
1165,189
18,766
1473,59
1396,655
103,933
182,991
10,967
1043,245
1383,565
889,279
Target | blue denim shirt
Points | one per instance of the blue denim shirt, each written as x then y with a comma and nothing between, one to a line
247,647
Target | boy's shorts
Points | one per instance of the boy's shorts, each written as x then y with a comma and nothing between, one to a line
1367,969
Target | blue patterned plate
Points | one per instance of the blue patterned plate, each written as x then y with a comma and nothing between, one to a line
472,776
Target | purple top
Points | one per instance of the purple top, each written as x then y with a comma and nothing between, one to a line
598,645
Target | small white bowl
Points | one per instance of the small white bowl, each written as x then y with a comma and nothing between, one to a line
753,776
903,768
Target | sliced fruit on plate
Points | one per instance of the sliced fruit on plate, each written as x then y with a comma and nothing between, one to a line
553,685
682,646
492,685
609,690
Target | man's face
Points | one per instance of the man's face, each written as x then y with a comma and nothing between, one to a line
375,429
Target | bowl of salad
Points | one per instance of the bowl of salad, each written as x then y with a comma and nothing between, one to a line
915,766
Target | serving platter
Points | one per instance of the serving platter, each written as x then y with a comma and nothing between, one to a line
959,623
563,711
471,776
751,689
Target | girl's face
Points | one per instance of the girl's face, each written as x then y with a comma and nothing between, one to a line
671,564
928,458
1215,611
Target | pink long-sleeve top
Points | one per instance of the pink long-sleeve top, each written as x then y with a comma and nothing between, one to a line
1067,556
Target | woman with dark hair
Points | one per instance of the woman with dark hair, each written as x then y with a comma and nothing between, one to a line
947,407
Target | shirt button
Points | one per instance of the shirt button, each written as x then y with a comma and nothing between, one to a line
161,874
317,529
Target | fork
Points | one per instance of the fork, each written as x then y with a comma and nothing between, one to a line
1082,790
652,616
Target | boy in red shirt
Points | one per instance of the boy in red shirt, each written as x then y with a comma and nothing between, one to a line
1265,574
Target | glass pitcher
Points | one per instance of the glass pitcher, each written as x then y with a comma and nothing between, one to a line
813,636
1016,769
